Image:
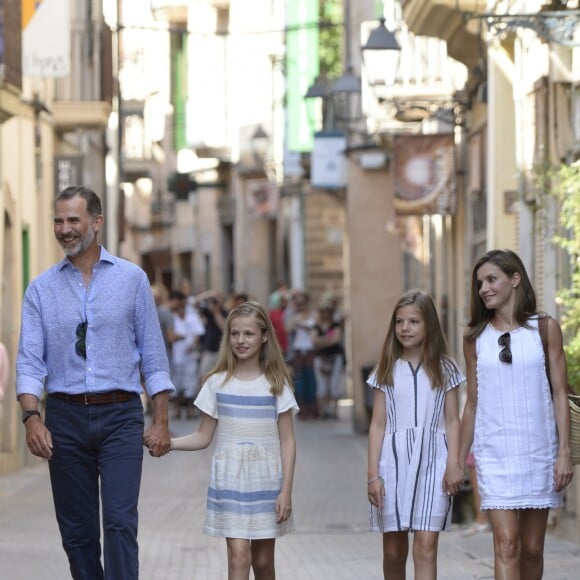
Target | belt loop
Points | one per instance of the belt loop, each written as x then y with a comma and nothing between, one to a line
86,399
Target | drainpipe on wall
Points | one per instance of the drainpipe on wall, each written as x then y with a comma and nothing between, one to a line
297,252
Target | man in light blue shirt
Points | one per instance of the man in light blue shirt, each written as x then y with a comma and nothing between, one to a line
90,337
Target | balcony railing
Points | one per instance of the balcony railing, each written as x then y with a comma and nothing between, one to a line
84,97
163,213
91,72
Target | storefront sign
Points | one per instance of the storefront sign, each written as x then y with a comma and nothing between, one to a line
68,170
328,163
45,38
424,171
263,198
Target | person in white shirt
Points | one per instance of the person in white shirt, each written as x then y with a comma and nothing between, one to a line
300,325
188,328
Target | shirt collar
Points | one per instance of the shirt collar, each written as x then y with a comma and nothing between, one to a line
104,257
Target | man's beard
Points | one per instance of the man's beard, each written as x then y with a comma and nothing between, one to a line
82,244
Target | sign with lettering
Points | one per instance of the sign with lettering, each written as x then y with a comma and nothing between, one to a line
328,162
68,170
45,38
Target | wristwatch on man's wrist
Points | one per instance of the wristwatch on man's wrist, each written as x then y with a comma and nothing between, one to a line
27,414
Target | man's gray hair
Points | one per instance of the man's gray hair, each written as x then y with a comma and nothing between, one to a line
93,202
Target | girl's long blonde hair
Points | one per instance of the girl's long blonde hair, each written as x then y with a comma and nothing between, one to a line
271,358
434,356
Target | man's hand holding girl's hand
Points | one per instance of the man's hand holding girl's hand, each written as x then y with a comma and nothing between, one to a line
158,440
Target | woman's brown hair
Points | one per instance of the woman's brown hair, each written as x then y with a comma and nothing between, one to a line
525,298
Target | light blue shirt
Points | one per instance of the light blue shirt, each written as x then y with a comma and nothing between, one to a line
123,337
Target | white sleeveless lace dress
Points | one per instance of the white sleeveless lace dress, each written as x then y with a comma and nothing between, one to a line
515,443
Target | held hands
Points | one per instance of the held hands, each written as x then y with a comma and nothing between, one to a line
283,507
376,491
452,479
157,440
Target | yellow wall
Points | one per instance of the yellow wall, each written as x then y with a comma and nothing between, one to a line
501,150
25,204
373,271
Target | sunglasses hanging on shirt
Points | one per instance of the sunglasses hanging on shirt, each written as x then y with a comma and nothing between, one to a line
505,354
80,344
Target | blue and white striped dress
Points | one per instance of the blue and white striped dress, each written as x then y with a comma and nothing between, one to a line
246,472
414,451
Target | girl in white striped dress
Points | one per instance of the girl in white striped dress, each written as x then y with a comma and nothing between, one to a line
248,401
413,451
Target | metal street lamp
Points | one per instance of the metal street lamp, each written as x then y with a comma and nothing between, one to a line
259,143
347,83
381,56
320,89
346,93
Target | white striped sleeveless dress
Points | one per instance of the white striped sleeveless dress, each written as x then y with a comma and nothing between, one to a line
414,452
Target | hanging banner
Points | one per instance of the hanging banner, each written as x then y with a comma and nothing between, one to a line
302,60
263,198
424,173
328,162
45,38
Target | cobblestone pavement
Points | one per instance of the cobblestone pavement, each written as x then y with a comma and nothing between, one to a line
330,509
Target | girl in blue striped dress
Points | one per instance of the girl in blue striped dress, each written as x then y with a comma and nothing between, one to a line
248,402
413,450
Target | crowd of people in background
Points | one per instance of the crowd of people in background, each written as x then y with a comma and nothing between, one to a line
311,339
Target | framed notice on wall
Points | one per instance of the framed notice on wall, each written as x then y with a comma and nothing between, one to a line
68,170
45,38
328,163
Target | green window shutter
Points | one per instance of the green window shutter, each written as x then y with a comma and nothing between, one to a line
179,88
25,258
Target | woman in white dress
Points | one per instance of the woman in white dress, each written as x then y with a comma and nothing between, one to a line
518,424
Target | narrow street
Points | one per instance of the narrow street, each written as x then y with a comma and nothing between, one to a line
331,540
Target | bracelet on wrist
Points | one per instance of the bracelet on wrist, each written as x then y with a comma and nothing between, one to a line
377,478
